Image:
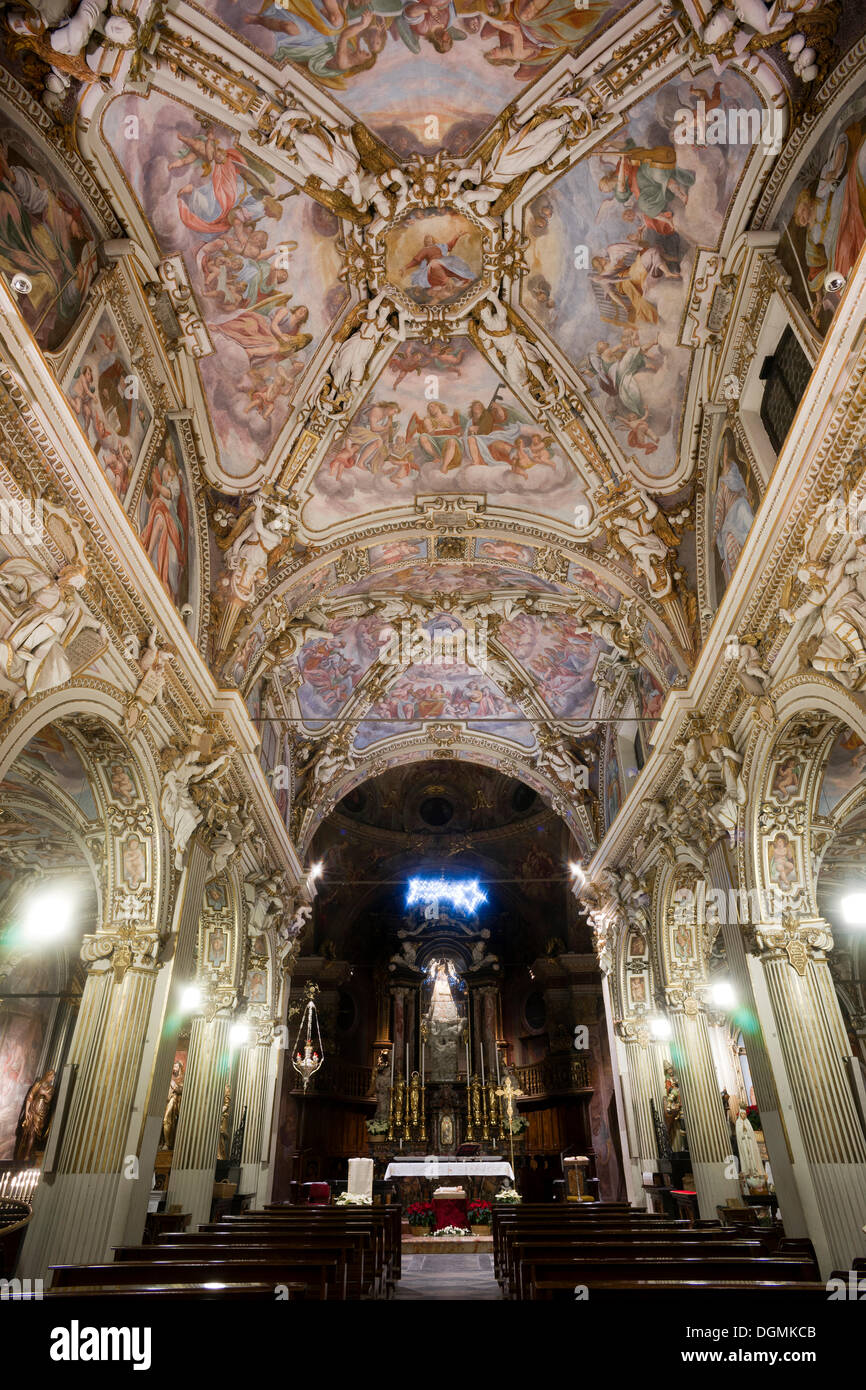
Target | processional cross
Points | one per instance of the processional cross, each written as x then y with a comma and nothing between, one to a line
509,1091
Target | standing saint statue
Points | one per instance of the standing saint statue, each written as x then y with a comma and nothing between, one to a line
172,1107
35,1115
747,1147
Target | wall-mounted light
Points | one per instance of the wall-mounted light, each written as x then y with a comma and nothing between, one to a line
853,908
48,914
191,997
660,1028
722,995
316,870
577,871
21,284
239,1034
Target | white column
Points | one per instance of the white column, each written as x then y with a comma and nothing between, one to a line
253,1073
707,1132
190,1184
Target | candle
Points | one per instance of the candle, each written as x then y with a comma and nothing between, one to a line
407,1064
467,1064
422,1062
393,1050
497,1067
482,1063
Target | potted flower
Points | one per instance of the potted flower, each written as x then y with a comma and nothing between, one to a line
507,1196
377,1129
353,1199
480,1215
452,1231
421,1217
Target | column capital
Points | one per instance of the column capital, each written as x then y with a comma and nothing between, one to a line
633,1031
122,949
794,939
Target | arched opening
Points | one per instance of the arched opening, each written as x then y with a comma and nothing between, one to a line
450,954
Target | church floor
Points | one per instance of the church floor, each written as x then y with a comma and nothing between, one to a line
464,1277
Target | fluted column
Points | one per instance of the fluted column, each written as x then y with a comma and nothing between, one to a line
809,1048
252,1078
707,1131
644,1079
79,1208
195,1148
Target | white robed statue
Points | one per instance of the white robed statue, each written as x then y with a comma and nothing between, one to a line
751,1165
444,1023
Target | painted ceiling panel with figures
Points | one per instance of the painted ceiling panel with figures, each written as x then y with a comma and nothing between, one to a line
422,303
261,259
424,75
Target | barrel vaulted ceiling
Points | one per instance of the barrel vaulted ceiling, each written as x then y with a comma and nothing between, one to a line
422,301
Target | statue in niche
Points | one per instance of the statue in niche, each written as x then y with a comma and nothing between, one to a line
481,956
172,1107
672,1108
444,1023
751,1167
35,1117
382,1085
224,1139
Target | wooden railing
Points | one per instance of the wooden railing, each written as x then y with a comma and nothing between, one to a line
556,1075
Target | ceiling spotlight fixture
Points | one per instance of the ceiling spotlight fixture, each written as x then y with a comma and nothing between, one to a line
577,871
853,908
191,997
722,994
21,284
316,870
48,915
660,1028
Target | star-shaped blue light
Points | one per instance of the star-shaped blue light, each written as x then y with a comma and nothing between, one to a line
458,892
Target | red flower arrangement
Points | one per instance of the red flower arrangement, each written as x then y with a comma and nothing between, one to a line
479,1213
420,1214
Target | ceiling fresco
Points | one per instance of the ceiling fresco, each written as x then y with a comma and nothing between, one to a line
421,305
253,248
473,436
613,246
424,74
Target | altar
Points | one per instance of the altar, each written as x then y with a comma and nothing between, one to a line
424,1173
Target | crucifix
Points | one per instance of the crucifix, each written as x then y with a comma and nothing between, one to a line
509,1092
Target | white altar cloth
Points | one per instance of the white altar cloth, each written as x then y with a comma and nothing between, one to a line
433,1167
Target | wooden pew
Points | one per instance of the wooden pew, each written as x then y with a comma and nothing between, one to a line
316,1273
349,1258
545,1276
367,1237
524,1253
292,1293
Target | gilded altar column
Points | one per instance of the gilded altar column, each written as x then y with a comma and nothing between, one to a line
810,1057
707,1132
190,1184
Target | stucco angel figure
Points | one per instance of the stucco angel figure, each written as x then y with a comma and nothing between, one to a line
749,668
751,17
656,819
331,156
526,144
35,649
725,811
231,832
330,763
834,593
58,32
246,559
364,333
647,538
179,811
564,768
522,361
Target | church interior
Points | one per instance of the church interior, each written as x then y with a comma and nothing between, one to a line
432,652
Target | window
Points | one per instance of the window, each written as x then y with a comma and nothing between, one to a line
787,374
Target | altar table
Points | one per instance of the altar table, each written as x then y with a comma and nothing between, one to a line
433,1167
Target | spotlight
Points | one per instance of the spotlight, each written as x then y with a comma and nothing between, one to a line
239,1034
21,284
722,994
577,871
316,870
854,909
660,1028
191,997
49,914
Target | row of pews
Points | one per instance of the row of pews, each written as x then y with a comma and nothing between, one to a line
284,1252
548,1252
